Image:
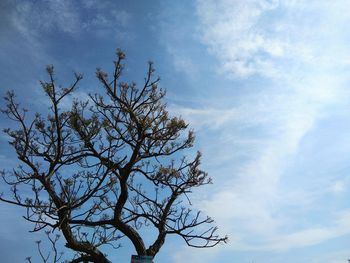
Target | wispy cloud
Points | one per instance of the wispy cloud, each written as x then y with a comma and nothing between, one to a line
38,23
270,38
32,19
296,52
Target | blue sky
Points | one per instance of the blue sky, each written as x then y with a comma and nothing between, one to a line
265,84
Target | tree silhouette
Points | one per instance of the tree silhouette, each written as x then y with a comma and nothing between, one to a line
107,168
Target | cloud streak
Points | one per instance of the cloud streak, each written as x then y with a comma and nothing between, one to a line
281,44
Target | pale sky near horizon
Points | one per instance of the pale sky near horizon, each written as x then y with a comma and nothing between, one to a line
265,85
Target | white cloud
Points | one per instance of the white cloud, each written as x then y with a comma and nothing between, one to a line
230,29
205,118
269,37
33,20
30,18
300,51
312,236
338,187
250,204
184,64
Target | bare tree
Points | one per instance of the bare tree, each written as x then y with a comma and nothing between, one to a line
108,167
